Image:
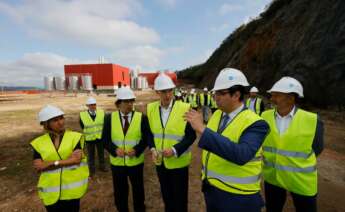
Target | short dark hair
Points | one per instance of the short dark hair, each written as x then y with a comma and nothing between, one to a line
117,102
240,89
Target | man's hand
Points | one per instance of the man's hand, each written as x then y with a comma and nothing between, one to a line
120,152
168,152
77,154
131,152
40,165
196,121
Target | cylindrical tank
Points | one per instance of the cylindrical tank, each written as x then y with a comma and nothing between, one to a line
73,83
144,83
49,83
60,83
86,81
139,83
133,85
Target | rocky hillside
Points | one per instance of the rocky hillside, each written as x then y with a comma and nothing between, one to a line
304,39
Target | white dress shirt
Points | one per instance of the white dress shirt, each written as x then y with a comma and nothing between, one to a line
233,114
165,112
129,117
283,122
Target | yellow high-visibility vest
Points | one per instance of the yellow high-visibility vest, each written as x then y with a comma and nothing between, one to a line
228,176
256,105
171,134
92,128
289,160
65,183
192,100
202,99
128,141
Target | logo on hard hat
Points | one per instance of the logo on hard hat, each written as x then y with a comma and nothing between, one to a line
230,77
291,85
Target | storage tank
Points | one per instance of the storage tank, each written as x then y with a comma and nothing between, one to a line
139,83
144,84
60,83
73,83
86,81
49,83
134,83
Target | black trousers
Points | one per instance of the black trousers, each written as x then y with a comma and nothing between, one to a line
276,197
64,205
218,200
120,186
174,188
91,149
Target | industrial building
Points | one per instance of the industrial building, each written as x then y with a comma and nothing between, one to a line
104,76
152,76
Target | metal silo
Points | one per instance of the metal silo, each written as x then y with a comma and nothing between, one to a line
73,83
86,81
49,83
60,83
139,83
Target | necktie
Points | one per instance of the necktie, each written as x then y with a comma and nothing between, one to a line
126,125
224,123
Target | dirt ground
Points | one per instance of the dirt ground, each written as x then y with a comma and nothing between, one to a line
18,126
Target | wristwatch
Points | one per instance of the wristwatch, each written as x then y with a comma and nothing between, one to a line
56,163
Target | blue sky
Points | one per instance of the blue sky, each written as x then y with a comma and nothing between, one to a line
37,37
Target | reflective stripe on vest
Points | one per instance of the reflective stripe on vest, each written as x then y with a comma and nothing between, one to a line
287,153
128,141
228,176
167,136
172,134
289,159
233,179
64,187
66,168
67,178
289,168
92,128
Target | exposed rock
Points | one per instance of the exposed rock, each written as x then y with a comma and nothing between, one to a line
304,39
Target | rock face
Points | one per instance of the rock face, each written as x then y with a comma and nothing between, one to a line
304,39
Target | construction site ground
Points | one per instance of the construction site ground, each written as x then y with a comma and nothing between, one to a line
19,125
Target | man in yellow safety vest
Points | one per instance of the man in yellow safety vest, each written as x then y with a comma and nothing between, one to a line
290,149
91,121
171,144
231,148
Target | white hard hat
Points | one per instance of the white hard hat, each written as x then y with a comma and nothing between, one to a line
254,90
192,91
124,93
91,101
163,82
49,112
287,85
205,89
178,94
229,77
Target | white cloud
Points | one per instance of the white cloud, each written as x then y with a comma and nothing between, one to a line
32,67
227,8
147,57
102,23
